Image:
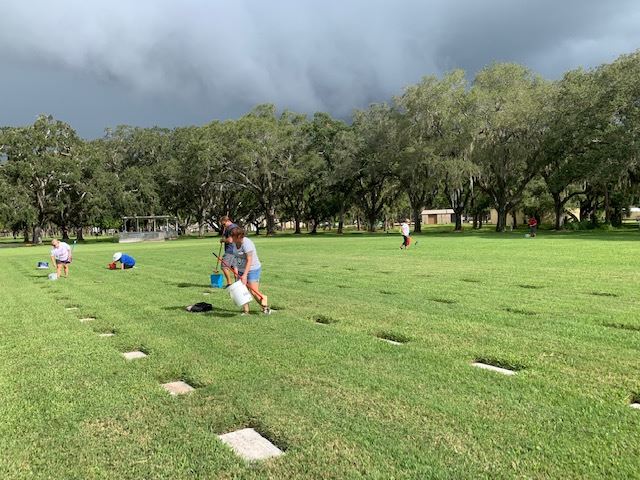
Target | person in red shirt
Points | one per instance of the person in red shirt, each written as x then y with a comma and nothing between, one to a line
533,226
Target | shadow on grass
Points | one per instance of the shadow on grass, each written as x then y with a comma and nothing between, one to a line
216,312
191,285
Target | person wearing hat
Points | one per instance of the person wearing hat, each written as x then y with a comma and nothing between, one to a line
406,239
126,261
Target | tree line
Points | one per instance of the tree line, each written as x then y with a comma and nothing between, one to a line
508,140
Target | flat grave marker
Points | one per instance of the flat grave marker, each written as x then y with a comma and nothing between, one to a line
635,405
250,445
87,319
136,354
106,334
493,368
392,342
178,388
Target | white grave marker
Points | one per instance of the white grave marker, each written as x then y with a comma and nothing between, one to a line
106,334
136,354
503,371
635,405
87,319
178,388
250,445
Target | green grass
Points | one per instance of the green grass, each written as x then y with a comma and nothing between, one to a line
562,309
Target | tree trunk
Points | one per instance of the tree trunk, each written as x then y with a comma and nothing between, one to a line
558,208
37,235
607,205
297,222
314,229
480,222
458,215
616,218
79,235
270,215
65,233
502,218
341,221
417,220
26,234
514,219
475,221
371,221
358,222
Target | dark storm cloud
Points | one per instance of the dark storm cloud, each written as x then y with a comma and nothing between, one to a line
173,62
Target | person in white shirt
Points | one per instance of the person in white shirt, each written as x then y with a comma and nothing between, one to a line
248,267
61,256
406,238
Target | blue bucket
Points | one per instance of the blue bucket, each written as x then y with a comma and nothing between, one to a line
217,280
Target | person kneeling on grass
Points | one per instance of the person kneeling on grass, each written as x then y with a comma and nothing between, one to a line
126,261
248,267
61,256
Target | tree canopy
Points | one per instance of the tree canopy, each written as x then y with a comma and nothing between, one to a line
508,140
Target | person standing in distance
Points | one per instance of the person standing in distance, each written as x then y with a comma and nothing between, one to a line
61,256
228,258
533,226
406,239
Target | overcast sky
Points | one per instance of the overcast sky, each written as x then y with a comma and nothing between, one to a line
182,62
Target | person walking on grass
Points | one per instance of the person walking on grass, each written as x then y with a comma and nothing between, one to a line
228,257
533,226
61,256
248,267
406,238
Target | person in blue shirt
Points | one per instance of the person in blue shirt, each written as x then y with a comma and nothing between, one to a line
126,261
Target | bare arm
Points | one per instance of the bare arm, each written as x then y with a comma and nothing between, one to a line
247,267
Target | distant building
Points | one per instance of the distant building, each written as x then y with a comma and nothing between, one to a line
633,214
438,217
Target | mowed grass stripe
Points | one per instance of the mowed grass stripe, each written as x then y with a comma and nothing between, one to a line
339,400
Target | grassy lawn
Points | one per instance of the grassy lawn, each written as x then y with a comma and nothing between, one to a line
561,309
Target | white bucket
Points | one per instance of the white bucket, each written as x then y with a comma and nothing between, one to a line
53,276
239,293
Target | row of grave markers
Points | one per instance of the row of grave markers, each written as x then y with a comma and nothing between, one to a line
247,443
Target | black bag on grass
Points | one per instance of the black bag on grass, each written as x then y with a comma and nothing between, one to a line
200,307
